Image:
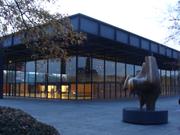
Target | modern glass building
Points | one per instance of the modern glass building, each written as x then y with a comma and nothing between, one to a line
95,70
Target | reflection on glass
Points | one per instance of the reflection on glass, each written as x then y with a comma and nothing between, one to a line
60,79
129,72
11,80
69,78
172,89
163,82
20,78
41,70
5,82
30,78
98,78
137,69
129,69
120,79
110,80
168,82
84,77
176,82
54,78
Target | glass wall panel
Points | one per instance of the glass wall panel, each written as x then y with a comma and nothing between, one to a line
54,78
41,70
120,78
84,78
110,80
98,78
176,81
137,69
168,82
20,67
129,72
11,80
5,82
68,88
163,82
129,69
172,92
172,82
30,79
177,85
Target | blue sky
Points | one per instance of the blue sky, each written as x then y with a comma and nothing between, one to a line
142,17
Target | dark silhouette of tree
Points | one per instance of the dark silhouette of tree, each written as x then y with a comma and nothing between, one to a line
45,33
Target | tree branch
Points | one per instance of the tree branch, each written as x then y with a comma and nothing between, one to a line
21,14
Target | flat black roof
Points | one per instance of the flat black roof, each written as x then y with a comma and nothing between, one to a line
101,29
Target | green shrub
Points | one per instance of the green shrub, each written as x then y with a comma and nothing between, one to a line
17,122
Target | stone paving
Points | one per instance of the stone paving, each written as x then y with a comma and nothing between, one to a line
96,117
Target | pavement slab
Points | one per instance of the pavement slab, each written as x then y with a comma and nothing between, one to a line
96,117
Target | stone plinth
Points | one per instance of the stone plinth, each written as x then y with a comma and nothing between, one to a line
137,116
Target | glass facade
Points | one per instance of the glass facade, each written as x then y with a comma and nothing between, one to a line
78,77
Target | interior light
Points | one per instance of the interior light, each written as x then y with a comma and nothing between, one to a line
64,88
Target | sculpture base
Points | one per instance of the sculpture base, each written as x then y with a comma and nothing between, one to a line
137,116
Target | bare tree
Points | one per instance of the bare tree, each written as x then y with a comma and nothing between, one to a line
43,32
173,22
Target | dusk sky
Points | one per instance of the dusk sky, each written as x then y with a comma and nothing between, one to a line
142,17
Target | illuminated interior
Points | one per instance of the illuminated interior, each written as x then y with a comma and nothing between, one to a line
64,88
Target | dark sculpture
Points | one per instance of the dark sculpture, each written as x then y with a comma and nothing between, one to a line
146,84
